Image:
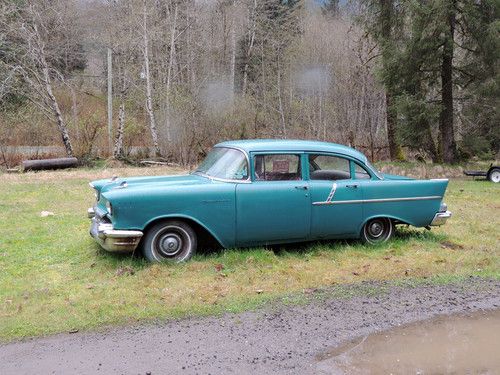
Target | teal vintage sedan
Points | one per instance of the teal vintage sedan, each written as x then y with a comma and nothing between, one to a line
261,192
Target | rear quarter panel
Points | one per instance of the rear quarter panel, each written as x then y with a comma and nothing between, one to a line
419,200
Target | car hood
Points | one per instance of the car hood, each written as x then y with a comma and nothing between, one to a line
129,183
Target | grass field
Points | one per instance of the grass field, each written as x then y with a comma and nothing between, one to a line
54,278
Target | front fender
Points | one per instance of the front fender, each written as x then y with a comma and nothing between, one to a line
211,205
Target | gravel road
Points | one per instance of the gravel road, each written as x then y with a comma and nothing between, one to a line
277,339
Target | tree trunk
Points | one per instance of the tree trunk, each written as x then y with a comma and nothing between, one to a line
171,58
57,113
149,99
190,65
430,145
394,147
386,20
249,49
110,98
233,51
54,105
447,136
118,149
280,101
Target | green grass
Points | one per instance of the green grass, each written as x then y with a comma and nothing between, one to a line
54,278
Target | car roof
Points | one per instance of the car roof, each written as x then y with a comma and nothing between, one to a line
257,145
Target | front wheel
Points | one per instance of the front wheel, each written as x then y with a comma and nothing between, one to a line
173,241
494,175
377,230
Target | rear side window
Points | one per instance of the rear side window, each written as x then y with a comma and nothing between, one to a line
326,167
277,167
361,173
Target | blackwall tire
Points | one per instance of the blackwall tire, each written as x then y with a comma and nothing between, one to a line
377,230
169,241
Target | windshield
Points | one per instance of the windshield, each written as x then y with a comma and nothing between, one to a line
225,163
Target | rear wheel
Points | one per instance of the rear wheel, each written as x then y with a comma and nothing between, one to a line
494,175
377,230
173,241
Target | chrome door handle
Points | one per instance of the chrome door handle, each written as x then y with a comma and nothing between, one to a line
302,187
353,186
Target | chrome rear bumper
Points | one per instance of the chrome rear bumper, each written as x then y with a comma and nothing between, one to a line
117,241
440,218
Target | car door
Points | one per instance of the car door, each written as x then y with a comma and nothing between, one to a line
337,208
276,206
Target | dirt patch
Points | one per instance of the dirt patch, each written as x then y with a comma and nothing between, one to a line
451,245
276,340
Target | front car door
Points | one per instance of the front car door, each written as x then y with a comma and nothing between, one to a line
336,196
276,206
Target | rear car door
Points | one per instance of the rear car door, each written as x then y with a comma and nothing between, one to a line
336,196
276,206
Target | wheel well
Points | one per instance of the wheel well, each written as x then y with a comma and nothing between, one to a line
399,222
392,219
205,239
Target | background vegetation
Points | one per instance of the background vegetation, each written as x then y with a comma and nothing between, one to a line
396,79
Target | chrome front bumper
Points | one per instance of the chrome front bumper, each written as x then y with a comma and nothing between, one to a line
117,241
440,218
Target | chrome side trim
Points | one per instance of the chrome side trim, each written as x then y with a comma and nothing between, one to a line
247,181
378,200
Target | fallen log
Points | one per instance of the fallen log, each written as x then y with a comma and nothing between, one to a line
38,165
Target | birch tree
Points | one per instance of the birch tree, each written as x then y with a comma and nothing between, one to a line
32,60
148,79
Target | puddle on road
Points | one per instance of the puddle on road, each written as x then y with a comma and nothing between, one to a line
459,344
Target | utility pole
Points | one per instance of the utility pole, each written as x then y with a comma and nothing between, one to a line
110,100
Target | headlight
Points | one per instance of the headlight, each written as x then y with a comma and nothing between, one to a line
109,207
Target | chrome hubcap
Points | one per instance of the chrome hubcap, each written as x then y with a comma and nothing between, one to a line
376,229
170,244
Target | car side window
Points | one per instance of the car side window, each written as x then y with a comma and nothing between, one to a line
277,167
361,173
328,167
